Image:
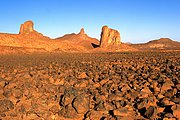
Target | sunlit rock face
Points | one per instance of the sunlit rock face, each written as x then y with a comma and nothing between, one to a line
109,37
82,31
27,27
82,34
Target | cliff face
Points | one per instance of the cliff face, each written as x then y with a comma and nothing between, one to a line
27,27
109,37
27,38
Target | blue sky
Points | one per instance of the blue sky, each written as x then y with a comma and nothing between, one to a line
137,20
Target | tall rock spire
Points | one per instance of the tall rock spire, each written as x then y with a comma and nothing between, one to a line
109,37
82,31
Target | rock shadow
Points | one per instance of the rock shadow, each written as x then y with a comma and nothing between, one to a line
94,45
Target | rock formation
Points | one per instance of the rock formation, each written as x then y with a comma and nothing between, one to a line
80,39
82,34
109,37
82,31
28,39
27,27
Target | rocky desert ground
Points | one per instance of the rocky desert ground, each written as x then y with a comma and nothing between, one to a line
77,77
90,86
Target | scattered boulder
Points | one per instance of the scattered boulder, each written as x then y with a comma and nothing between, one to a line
94,115
90,86
6,105
150,112
82,75
109,37
81,104
167,85
70,112
176,111
121,112
68,96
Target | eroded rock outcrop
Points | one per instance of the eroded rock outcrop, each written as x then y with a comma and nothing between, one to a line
82,34
109,37
82,31
27,27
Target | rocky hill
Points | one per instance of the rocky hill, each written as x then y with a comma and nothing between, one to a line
109,37
80,39
30,40
164,43
160,44
27,38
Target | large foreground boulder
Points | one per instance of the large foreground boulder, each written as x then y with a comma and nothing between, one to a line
109,37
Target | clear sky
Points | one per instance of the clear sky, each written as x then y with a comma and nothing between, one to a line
137,20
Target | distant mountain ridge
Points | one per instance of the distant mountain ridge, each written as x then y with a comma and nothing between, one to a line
29,40
160,44
163,41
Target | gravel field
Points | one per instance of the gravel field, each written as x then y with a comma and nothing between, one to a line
94,86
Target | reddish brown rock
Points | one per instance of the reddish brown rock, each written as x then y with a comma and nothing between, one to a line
121,112
70,112
6,105
150,112
82,34
145,92
82,31
176,111
109,37
124,112
81,84
82,75
167,102
17,93
89,86
81,104
27,27
54,109
68,97
95,115
167,85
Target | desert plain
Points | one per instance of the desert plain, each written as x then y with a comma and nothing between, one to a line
76,77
